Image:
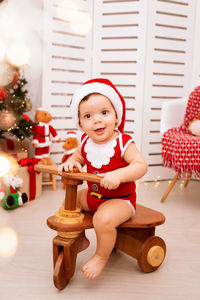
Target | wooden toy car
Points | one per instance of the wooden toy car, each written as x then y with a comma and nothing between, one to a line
136,237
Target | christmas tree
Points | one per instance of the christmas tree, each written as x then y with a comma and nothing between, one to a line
13,103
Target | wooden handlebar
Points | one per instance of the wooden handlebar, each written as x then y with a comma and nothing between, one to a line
67,175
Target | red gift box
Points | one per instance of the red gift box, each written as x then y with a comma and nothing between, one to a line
32,180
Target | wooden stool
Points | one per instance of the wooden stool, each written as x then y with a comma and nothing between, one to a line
136,237
50,181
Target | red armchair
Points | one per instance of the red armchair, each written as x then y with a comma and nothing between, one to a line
180,149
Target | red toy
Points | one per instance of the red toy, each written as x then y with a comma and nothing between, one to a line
44,134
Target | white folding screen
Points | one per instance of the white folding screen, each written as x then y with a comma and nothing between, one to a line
168,70
119,48
67,64
196,56
144,47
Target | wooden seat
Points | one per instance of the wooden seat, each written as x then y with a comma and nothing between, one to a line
136,237
144,218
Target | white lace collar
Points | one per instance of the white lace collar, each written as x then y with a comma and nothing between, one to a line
100,154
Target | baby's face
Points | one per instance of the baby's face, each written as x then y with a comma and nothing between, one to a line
97,118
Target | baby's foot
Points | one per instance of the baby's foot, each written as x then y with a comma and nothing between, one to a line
84,244
94,267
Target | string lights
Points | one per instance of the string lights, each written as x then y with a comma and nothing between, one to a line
156,182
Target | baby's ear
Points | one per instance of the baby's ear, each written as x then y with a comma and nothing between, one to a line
79,123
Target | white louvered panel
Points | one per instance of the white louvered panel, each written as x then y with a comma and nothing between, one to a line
67,64
168,70
196,60
120,7
119,47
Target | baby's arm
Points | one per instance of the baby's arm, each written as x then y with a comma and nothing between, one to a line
75,160
136,169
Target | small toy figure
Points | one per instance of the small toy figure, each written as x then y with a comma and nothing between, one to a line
194,126
44,134
70,145
9,194
98,109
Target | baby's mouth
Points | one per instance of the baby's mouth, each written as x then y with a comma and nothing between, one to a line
99,130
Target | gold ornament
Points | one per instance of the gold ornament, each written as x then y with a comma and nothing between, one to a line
28,104
7,120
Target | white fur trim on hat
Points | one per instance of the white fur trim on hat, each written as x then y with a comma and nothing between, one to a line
96,87
42,109
71,134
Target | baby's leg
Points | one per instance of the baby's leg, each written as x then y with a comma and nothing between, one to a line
81,200
109,215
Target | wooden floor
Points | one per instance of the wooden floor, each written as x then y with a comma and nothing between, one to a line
29,274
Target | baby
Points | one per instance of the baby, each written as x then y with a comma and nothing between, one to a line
99,111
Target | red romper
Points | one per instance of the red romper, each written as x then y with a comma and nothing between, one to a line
102,158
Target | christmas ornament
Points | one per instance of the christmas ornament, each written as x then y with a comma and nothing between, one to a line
28,104
3,94
7,120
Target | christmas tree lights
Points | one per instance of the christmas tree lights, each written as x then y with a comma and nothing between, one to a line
13,103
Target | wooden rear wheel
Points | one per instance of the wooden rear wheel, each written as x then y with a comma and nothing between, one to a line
151,254
60,281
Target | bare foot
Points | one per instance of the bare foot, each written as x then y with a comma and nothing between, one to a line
94,267
84,244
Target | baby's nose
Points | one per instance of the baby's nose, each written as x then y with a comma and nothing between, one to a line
97,117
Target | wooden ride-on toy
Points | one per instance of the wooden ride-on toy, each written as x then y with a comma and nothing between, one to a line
136,237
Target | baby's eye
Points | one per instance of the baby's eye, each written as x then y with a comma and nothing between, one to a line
87,116
104,112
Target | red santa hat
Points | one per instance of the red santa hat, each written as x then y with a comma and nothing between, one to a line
71,134
106,88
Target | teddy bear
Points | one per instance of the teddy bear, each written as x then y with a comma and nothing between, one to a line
70,145
44,134
194,126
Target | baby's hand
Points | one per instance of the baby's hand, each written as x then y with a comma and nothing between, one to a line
109,181
68,166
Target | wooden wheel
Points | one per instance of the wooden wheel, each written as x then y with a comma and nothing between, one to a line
151,254
60,281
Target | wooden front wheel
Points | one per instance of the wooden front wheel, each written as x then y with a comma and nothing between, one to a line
151,254
60,281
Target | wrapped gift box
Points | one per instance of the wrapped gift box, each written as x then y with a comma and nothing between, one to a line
18,149
14,145
32,181
18,155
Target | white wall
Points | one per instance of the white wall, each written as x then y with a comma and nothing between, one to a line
34,70
21,22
